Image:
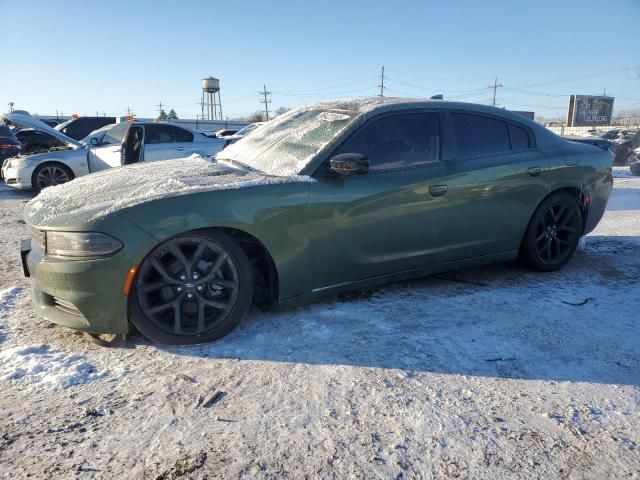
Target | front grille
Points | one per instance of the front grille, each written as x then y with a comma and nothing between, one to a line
38,237
66,307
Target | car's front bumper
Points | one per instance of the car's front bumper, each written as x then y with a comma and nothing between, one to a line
82,295
16,177
86,295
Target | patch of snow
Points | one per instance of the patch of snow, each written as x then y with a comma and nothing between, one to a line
622,172
8,297
102,193
38,364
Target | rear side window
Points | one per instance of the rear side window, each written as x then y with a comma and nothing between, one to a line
519,138
398,141
160,133
477,135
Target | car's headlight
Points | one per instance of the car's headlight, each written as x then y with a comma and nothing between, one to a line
81,245
21,162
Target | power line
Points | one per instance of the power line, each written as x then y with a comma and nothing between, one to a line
266,101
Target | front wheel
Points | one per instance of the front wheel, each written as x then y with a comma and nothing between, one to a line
50,174
192,289
553,233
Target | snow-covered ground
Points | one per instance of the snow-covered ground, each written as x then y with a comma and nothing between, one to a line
487,373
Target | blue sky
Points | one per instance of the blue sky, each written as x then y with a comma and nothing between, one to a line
82,57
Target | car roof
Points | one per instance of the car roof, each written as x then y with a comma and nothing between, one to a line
368,107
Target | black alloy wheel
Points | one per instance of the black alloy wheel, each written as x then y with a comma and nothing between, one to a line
553,233
192,289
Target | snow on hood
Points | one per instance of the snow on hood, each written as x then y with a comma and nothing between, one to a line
30,122
97,195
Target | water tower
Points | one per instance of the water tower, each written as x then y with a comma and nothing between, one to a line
211,90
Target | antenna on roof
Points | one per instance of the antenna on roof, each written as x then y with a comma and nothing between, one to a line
437,97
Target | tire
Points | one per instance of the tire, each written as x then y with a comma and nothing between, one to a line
192,289
49,174
553,233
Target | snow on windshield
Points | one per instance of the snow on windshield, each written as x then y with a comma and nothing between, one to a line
285,145
102,193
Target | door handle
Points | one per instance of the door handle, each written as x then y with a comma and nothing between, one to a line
534,171
438,190
181,148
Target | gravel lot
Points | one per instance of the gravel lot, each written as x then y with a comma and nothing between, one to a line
489,373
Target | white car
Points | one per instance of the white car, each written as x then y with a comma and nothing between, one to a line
243,132
121,144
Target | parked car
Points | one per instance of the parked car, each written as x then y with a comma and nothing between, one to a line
122,144
225,132
36,140
330,197
243,132
9,145
634,164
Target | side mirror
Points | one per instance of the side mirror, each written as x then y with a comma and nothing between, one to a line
94,141
349,164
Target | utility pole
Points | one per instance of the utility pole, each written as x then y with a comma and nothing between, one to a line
495,86
382,82
11,104
266,100
128,112
159,108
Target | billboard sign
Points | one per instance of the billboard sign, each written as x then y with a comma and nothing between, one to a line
589,111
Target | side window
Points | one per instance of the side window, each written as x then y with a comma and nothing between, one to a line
477,135
159,133
519,138
398,141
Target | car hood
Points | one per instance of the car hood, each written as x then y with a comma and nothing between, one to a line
88,199
30,122
34,159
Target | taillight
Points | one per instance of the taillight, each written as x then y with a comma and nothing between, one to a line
9,146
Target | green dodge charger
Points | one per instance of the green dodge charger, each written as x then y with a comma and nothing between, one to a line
332,196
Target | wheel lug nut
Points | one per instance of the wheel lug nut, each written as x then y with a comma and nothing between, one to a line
179,289
189,295
195,276
199,287
183,277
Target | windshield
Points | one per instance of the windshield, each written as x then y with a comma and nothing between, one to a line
248,128
286,144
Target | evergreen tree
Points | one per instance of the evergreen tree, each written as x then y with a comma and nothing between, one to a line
172,115
163,115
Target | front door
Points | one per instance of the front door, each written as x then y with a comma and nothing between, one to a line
109,153
393,218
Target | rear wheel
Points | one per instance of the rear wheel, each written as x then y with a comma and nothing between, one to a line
192,289
49,174
553,233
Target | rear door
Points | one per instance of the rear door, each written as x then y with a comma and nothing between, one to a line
495,182
164,142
